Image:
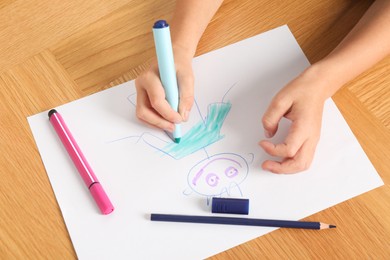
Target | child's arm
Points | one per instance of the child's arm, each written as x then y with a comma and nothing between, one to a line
191,18
302,100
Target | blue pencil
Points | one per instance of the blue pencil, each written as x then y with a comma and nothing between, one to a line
240,221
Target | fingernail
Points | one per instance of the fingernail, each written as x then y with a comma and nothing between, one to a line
178,120
267,134
265,168
169,129
185,115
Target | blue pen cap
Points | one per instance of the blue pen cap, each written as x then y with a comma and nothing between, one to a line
160,24
230,205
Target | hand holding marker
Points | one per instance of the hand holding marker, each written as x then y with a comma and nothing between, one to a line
166,66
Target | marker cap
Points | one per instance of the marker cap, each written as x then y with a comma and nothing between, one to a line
230,205
101,198
160,24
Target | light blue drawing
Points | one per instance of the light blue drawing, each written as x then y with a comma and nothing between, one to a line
203,133
216,175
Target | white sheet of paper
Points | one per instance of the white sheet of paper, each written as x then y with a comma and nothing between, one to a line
142,177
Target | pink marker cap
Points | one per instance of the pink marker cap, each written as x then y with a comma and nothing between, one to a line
101,198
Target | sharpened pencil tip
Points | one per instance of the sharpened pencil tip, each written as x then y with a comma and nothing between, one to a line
332,226
177,140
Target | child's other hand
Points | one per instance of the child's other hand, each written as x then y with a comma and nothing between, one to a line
301,101
152,107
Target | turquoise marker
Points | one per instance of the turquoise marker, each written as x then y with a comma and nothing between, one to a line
166,66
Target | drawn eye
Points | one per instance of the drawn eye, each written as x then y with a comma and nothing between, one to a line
231,172
212,179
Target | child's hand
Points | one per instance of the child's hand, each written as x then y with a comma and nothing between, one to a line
301,101
152,107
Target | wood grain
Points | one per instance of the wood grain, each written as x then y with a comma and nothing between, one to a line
53,52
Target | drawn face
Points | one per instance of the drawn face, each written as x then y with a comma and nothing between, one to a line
218,174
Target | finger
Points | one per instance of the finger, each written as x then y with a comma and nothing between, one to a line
166,125
156,95
300,162
294,141
147,114
186,89
271,118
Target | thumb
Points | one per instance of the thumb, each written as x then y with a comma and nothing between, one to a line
274,113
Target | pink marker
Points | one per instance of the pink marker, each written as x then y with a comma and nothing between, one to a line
81,163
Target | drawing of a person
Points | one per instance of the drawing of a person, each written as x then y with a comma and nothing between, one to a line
216,175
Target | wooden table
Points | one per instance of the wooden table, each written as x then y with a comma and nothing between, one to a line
53,52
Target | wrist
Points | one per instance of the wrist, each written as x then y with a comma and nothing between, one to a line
182,52
326,76
183,44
